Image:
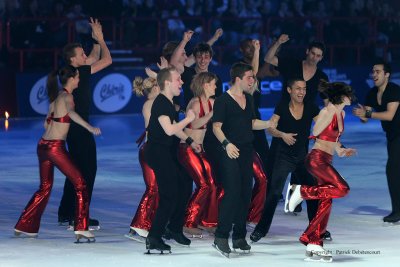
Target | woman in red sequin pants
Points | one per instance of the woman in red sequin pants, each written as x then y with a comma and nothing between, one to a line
141,222
202,210
51,152
259,190
326,132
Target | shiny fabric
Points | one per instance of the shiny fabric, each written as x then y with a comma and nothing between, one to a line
259,190
65,119
330,185
53,153
148,204
202,113
331,132
203,205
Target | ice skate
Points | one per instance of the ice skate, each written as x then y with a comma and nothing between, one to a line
392,218
193,232
153,243
65,221
94,225
294,199
222,245
256,236
241,246
179,238
20,233
327,236
134,235
86,235
317,253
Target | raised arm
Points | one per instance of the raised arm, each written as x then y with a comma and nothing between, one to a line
105,56
256,56
78,119
271,57
179,50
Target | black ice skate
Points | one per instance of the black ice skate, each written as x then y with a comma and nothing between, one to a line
256,236
221,244
327,236
179,238
153,243
317,253
240,245
392,218
85,235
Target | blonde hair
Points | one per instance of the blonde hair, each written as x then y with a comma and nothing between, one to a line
143,87
199,80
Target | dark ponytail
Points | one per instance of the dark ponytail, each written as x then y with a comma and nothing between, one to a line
335,91
63,75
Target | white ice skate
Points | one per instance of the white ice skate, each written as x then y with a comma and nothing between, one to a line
294,199
135,235
86,235
317,253
20,233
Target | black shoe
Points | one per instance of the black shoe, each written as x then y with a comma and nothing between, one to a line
241,244
179,238
94,222
392,217
326,236
222,245
157,244
298,208
256,236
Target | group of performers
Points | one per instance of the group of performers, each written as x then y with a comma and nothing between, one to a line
220,145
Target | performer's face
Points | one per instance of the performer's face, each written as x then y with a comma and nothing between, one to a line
379,76
202,61
298,91
314,55
209,88
247,82
176,83
80,57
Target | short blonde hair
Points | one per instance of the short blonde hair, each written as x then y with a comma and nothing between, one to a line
199,80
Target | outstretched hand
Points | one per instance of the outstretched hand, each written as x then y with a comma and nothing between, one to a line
187,35
283,39
359,111
163,63
218,33
256,44
95,130
97,30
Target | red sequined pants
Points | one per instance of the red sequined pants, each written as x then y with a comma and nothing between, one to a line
203,205
330,185
149,202
259,190
53,153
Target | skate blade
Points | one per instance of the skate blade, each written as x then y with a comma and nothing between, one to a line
241,252
389,224
319,259
86,239
137,238
159,252
94,228
221,252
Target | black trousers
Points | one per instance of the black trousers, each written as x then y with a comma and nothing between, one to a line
284,163
236,179
82,148
174,189
393,172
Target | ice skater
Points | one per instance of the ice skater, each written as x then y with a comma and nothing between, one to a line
326,132
233,122
52,152
141,222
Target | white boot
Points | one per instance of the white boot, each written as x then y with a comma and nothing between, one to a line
25,234
141,232
89,236
295,199
317,253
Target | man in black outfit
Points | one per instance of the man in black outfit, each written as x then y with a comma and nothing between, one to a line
81,143
291,136
382,103
233,122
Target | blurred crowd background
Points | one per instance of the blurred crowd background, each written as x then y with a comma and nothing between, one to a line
33,32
